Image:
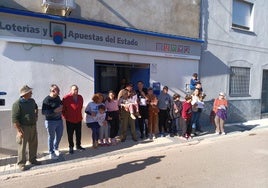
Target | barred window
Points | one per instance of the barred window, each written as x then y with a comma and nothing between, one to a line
239,81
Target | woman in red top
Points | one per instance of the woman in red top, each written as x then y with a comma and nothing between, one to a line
219,107
186,114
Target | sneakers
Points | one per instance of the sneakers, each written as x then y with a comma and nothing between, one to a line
113,141
22,167
35,162
223,133
183,137
138,115
80,148
57,152
53,156
132,116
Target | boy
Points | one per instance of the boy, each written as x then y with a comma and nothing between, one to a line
186,117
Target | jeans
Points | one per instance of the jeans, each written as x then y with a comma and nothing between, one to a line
104,130
54,130
95,128
195,120
175,126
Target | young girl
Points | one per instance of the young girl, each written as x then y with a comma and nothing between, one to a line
153,113
101,117
197,107
112,108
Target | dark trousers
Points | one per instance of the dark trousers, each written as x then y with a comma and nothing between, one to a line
143,121
162,117
114,123
95,129
71,128
186,127
174,128
143,125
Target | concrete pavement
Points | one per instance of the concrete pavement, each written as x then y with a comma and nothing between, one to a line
8,159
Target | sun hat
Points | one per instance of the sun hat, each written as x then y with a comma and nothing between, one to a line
222,94
24,90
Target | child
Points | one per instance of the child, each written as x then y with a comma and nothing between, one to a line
153,113
104,128
111,105
194,80
132,105
186,117
175,114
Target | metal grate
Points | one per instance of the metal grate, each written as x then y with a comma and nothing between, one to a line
239,81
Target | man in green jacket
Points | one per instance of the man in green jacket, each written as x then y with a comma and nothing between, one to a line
24,118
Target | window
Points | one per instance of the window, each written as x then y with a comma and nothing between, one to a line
239,81
242,15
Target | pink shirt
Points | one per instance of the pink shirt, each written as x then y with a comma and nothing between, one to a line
112,105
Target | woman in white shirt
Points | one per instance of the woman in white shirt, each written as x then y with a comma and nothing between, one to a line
197,107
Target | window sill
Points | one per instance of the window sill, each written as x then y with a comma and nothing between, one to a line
242,96
241,30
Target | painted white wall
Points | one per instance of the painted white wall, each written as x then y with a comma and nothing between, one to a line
225,47
41,66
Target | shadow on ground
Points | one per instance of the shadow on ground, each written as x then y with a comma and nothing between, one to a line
11,158
120,170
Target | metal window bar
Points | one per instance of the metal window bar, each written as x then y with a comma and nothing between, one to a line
239,81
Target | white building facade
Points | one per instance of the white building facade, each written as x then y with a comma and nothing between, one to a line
235,56
97,43
40,49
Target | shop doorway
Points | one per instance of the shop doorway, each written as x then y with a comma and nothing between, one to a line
264,94
109,75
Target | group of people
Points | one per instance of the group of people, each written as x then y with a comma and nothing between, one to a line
25,115
156,116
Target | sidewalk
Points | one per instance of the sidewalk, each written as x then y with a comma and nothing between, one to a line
8,160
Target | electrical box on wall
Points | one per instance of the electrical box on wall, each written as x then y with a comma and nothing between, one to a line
58,7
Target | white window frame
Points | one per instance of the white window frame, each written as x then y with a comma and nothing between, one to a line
242,15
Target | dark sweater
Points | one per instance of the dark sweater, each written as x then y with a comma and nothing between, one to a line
24,112
48,107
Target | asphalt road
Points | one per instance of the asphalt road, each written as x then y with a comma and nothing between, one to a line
232,161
